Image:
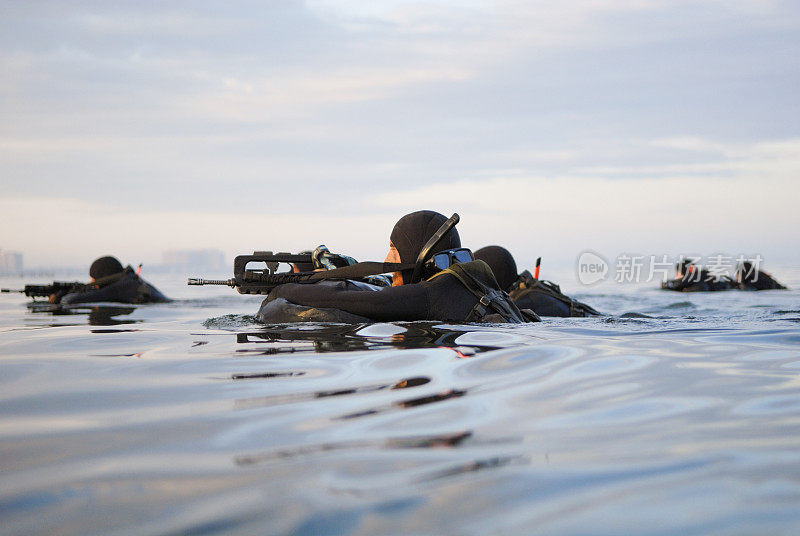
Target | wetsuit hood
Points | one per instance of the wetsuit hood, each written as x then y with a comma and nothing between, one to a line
412,231
104,267
747,273
684,266
501,262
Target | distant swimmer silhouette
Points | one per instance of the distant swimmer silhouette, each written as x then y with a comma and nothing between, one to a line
110,283
749,277
691,277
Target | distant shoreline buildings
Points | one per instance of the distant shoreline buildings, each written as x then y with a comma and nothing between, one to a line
10,262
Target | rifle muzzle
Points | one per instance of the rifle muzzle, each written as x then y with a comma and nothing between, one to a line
200,282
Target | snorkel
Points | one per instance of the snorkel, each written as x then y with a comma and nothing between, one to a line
430,246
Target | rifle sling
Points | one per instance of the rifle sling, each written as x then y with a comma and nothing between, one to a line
113,278
361,269
354,271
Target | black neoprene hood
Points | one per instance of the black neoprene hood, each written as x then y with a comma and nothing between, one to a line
412,231
104,267
683,266
748,274
501,262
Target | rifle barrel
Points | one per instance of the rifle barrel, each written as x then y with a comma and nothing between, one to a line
200,282
9,290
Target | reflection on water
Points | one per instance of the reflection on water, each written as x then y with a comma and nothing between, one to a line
420,442
194,419
346,338
98,315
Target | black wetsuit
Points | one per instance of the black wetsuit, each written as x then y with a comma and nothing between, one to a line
464,292
547,304
443,298
129,288
764,281
702,282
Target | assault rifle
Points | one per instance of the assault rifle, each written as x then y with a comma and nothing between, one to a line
266,276
45,291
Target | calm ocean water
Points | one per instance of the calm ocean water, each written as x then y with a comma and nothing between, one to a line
677,414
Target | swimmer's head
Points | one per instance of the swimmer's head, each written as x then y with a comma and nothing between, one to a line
746,273
104,267
684,267
411,233
501,262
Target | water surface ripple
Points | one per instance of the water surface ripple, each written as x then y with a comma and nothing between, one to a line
190,418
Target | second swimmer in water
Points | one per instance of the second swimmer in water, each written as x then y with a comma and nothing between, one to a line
529,292
749,277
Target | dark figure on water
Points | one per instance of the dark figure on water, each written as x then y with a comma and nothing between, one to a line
458,292
693,278
748,277
528,292
111,283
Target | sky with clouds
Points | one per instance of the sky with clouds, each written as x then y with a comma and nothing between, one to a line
649,126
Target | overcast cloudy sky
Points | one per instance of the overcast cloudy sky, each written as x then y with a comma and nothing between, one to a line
643,126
